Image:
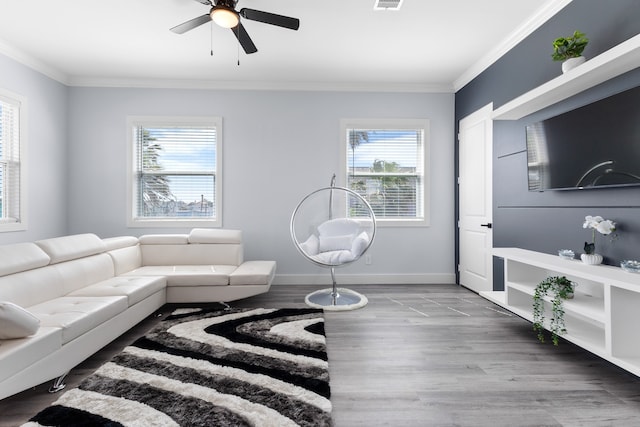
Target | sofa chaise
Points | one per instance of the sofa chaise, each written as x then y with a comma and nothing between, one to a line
64,298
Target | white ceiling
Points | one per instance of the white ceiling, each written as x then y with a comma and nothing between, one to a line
428,45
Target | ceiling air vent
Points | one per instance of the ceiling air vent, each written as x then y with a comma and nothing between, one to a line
387,4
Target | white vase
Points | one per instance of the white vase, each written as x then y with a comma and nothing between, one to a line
591,259
572,63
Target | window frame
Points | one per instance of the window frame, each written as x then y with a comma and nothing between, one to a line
135,221
18,224
395,124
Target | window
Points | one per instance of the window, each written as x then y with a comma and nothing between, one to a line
175,171
12,170
385,163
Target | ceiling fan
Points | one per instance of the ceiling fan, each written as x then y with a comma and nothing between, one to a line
223,13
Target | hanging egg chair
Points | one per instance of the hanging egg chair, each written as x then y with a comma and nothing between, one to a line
333,227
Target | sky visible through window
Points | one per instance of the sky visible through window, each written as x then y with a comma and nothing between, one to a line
404,145
187,150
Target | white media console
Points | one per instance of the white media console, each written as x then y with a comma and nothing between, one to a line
604,315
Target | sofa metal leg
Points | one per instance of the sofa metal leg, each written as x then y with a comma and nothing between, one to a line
58,383
227,307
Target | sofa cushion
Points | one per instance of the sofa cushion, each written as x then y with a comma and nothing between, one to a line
78,315
20,353
188,275
191,254
253,273
215,235
135,289
126,259
16,322
86,271
113,243
21,257
163,239
32,287
71,247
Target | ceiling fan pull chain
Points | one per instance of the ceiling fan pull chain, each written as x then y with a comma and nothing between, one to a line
211,40
238,45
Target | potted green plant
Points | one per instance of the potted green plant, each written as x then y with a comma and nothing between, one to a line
569,50
561,288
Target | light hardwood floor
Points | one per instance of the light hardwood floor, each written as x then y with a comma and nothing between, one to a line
431,355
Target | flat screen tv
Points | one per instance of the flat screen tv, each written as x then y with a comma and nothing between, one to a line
594,146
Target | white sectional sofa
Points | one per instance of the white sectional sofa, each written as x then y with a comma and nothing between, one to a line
64,298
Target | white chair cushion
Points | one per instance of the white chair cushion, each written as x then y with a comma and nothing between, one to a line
334,257
311,246
339,227
335,243
359,244
16,322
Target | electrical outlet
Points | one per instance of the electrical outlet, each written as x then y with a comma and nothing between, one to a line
367,259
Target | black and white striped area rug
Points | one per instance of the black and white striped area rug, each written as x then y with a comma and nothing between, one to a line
202,367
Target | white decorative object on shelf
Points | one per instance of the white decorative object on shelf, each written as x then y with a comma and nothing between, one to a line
630,266
602,226
591,259
572,63
566,254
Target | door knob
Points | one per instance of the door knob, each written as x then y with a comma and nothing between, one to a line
488,225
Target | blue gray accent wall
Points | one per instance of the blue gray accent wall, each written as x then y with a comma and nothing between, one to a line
551,220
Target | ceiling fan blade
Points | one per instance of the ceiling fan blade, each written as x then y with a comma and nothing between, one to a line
270,18
191,24
206,2
244,39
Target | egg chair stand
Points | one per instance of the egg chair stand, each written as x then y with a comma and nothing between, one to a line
332,227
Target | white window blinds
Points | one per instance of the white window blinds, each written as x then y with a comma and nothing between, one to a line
386,165
176,173
10,166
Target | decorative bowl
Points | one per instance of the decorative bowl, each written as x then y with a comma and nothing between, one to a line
631,266
566,254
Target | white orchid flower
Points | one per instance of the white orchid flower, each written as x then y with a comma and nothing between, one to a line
606,227
592,221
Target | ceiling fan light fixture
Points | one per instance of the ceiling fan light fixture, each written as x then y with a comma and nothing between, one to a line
225,16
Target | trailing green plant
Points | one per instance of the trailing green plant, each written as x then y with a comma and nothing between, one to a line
562,288
569,47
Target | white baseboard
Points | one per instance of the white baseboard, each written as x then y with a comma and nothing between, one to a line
365,279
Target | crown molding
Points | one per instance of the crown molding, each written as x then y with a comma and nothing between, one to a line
78,81
35,64
546,12
262,85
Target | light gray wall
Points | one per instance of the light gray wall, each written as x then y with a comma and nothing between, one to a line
278,147
46,141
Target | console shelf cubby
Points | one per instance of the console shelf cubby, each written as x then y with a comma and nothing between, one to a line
603,314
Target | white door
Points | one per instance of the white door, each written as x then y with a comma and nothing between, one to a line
475,200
